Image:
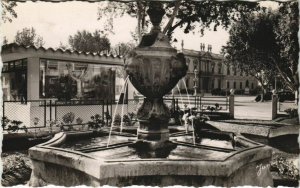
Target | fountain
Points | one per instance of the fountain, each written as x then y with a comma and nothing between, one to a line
156,157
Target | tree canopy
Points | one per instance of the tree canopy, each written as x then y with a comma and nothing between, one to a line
123,48
191,15
28,37
265,45
89,42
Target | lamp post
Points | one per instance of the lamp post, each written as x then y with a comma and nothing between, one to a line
195,82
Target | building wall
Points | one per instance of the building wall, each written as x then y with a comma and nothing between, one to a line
212,73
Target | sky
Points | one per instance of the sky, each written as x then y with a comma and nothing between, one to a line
55,22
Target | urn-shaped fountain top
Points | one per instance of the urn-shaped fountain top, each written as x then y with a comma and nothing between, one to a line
155,67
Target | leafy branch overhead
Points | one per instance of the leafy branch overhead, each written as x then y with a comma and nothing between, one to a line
8,11
191,16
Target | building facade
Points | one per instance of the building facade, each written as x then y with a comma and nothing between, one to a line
40,85
31,73
212,73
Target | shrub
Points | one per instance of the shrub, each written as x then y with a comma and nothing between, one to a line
79,120
216,91
68,118
13,125
292,112
96,122
126,120
285,168
117,120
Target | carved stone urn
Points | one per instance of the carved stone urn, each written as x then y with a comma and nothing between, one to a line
154,68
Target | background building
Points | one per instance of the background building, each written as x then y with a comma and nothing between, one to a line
213,73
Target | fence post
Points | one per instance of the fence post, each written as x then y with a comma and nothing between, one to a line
103,106
231,105
226,103
274,106
55,110
200,100
45,113
111,108
3,108
107,111
50,105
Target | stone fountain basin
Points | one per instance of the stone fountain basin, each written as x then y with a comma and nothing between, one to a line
56,162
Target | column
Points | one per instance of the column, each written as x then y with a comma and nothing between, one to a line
231,105
274,106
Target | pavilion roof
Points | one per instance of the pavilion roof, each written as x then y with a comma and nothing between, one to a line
12,46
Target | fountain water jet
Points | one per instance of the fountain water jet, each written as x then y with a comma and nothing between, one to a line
157,158
122,111
187,93
181,98
114,114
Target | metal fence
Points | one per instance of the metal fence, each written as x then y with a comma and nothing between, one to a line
33,113
202,103
38,113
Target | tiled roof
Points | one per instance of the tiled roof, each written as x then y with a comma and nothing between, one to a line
14,45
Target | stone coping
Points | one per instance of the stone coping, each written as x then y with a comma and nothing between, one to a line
100,168
267,131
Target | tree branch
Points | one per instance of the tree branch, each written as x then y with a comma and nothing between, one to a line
175,11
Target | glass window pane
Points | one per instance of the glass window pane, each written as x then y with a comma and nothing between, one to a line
73,80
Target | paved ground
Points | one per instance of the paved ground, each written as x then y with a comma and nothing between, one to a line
246,108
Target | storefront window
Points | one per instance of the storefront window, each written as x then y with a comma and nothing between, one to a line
14,80
66,80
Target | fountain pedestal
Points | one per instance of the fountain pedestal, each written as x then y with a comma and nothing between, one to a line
153,116
154,68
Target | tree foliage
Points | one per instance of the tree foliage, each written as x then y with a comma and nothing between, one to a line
288,42
265,45
192,15
8,10
123,48
89,42
28,37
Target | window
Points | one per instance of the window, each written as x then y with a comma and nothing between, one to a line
234,85
195,62
227,85
219,83
252,86
67,80
247,83
14,80
241,73
212,83
220,69
234,71
212,68
228,71
241,85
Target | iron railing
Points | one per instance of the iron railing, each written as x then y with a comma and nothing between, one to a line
38,113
